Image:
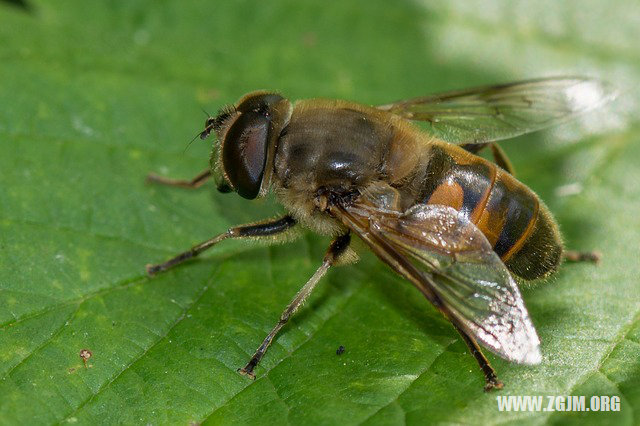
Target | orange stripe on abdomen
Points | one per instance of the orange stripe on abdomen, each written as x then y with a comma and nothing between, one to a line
509,215
504,209
463,186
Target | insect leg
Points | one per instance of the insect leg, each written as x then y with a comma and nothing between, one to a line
499,156
337,247
475,148
490,376
582,256
194,183
261,229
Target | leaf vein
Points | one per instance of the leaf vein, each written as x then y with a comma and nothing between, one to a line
141,355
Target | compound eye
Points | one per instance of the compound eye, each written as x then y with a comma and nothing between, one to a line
244,153
260,102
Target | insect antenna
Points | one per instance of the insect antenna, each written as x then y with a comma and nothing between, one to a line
190,142
202,134
205,112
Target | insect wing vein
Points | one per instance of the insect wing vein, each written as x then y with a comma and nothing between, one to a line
491,113
452,263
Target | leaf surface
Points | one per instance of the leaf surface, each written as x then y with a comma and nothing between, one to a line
93,97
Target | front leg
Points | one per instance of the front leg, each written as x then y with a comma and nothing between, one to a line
265,228
194,183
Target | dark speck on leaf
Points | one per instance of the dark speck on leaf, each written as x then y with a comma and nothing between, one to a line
340,350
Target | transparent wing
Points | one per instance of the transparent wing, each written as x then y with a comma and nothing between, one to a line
452,263
492,113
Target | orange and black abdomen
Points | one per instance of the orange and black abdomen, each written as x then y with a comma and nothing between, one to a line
520,228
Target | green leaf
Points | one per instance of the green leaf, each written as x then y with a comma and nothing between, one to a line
93,97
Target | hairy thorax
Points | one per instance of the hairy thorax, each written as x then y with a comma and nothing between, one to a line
341,147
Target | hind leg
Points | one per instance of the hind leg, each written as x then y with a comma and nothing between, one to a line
582,256
499,156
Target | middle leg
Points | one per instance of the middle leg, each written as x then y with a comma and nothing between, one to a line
337,247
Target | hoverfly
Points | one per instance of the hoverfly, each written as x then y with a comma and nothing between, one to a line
460,228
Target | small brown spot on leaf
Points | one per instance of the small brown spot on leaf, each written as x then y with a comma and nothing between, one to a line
85,354
310,39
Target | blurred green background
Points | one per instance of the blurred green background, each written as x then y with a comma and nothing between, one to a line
94,95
